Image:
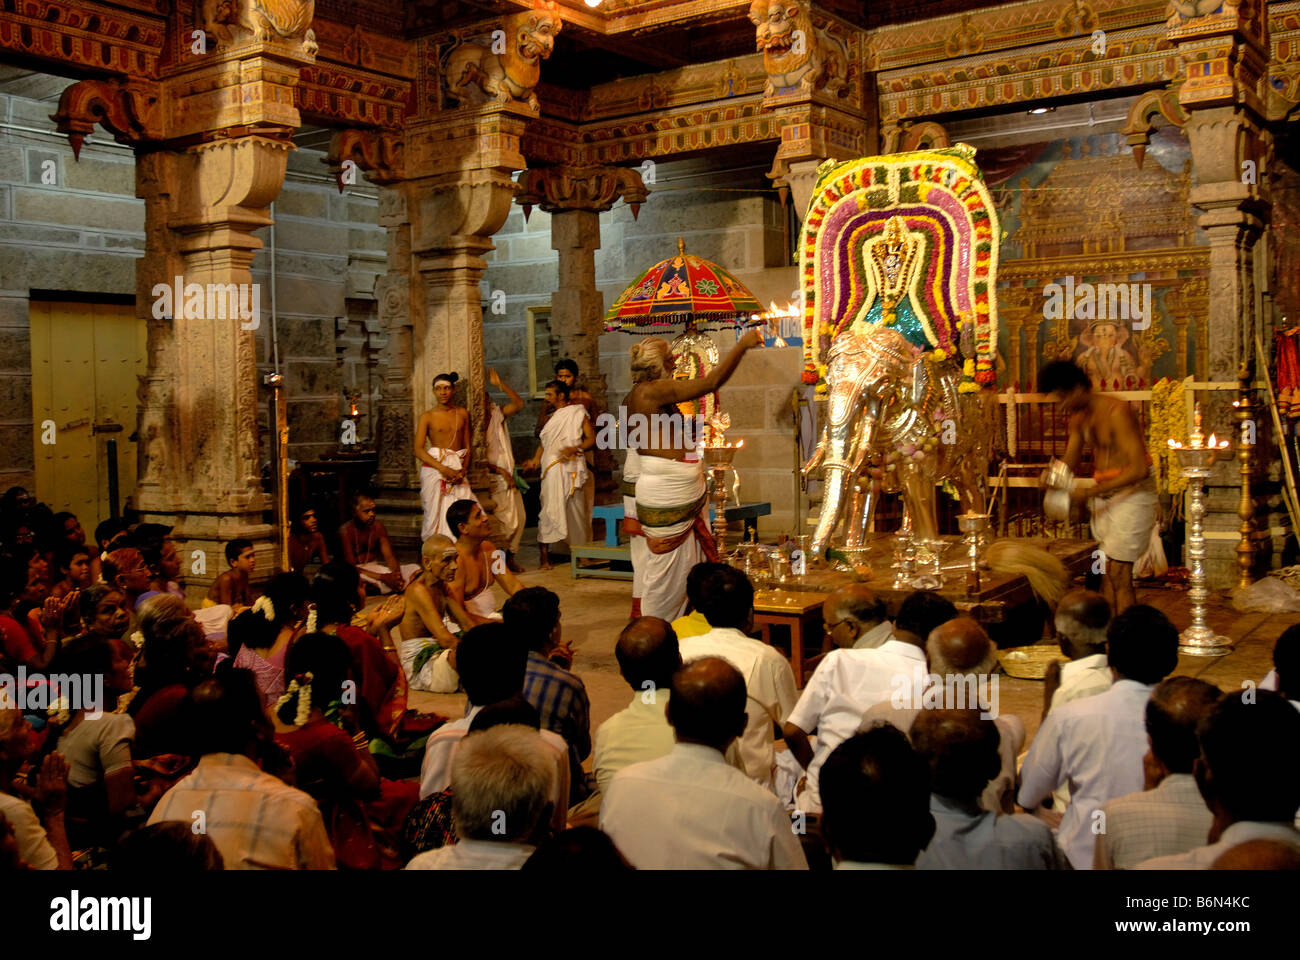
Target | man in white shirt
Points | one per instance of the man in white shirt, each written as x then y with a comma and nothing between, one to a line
962,751
919,614
1248,776
962,658
1082,617
876,794
503,789
496,662
690,809
852,617
1097,744
727,602
491,663
845,685
1169,816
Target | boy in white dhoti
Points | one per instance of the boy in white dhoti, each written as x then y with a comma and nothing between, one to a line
670,490
507,518
1123,501
442,447
566,508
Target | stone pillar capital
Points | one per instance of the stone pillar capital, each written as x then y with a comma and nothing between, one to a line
592,188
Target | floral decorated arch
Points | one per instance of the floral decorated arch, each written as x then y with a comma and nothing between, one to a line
908,239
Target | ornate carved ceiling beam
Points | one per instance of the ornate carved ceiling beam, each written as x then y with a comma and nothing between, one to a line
84,38
1116,263
1011,26
591,188
1135,60
332,95
128,109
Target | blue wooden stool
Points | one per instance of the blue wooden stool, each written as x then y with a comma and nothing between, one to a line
612,514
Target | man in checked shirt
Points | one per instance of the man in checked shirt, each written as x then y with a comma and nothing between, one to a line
533,614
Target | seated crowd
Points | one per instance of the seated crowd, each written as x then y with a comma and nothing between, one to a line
270,728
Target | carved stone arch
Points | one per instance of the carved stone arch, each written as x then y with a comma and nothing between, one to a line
1142,117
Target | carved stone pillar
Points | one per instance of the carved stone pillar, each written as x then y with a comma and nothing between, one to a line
575,196
212,147
199,449
449,193
1225,57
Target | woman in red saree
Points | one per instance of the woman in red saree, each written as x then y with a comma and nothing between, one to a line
363,812
381,683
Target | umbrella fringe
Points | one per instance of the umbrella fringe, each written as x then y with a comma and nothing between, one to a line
703,321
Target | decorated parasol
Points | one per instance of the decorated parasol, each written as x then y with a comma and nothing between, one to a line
682,289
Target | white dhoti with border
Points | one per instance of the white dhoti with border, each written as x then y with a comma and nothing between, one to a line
1122,523
437,494
566,512
672,509
507,517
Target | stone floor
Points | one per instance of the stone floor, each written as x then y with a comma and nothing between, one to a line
594,611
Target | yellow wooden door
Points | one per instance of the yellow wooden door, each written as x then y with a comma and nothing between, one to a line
86,358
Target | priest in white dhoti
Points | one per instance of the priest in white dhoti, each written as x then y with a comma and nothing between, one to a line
444,463
632,528
507,517
1123,498
566,506
671,500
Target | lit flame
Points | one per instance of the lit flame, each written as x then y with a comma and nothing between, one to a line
1210,442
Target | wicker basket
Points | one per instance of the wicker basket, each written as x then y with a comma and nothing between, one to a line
1030,663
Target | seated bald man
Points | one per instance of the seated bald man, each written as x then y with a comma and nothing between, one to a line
648,657
846,684
853,617
961,655
1082,617
962,751
690,810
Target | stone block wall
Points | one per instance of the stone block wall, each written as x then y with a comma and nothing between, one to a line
328,251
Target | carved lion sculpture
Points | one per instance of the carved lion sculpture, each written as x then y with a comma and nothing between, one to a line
794,53
260,18
1183,10
513,73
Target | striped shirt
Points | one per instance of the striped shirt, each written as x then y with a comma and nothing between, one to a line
561,700
257,821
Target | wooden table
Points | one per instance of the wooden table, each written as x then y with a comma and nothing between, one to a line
998,592
800,611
